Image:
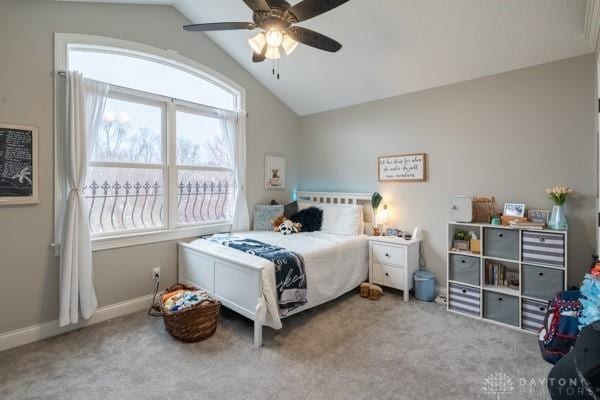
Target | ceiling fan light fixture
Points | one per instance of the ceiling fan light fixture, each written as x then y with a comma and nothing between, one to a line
258,42
288,44
274,37
273,53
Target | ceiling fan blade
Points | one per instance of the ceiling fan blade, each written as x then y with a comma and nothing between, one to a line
219,26
311,8
281,4
313,39
258,5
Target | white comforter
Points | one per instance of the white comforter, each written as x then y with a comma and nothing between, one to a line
334,265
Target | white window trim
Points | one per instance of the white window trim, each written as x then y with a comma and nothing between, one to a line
173,232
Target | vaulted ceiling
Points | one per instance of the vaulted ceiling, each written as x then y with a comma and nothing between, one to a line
392,47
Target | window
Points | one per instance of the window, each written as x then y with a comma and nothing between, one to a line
122,68
125,185
161,160
204,169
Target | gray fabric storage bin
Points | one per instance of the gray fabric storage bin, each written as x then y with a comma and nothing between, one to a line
544,248
501,243
541,283
464,299
501,307
532,314
465,269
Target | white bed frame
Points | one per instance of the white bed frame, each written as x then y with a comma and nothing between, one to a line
237,285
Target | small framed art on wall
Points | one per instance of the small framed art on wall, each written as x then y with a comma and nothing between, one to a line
18,164
274,172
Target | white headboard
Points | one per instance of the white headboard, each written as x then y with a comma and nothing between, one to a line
363,199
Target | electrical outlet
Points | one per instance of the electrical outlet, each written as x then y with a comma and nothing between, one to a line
156,273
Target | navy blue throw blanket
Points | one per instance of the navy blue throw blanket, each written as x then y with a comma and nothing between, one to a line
290,276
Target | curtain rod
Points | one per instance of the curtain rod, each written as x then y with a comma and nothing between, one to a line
63,74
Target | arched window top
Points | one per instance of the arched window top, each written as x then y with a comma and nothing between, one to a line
150,73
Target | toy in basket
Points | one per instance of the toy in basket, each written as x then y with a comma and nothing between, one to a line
189,314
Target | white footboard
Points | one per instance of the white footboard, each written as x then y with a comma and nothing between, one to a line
238,286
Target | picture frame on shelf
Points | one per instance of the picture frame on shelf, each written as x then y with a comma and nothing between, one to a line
392,232
540,216
514,210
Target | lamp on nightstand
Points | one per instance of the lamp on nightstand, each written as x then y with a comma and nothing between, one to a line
381,220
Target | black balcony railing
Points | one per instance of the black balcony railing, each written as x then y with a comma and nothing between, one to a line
117,207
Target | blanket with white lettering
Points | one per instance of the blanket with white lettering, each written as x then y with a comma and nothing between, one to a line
290,275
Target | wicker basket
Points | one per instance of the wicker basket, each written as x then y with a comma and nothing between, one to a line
192,324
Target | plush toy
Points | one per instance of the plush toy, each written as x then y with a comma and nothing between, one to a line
277,222
310,218
288,227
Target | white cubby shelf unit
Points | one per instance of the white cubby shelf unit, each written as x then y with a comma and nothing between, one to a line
537,257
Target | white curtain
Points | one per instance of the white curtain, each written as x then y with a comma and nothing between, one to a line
85,102
234,127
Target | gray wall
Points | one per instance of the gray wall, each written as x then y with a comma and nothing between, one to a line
510,135
27,264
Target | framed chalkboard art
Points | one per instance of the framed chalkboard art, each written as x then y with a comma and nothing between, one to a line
403,168
18,164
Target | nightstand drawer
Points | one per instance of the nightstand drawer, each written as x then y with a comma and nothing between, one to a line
388,275
388,254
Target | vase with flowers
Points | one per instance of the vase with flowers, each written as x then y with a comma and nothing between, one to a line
558,195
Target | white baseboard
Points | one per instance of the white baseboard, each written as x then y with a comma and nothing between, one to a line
44,330
441,290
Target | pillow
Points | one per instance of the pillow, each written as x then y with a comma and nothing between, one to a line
290,209
339,219
310,218
264,214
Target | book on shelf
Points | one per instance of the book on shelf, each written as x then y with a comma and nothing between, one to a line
497,274
527,225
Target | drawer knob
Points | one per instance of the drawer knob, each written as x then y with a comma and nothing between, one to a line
463,261
542,309
540,273
387,274
464,290
501,235
387,254
542,240
499,298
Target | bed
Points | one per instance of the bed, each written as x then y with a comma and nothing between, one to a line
245,283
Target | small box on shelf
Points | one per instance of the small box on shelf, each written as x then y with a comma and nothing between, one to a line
475,246
461,245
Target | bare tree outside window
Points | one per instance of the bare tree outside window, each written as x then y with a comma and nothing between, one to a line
121,199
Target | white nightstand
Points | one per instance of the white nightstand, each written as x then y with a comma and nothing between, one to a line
393,261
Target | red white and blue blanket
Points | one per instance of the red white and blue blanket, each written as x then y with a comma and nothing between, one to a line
290,275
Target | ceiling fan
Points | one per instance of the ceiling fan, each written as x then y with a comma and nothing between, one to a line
277,18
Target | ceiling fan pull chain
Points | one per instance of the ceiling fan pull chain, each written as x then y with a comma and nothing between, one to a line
278,69
273,66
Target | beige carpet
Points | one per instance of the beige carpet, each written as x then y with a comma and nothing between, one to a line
351,348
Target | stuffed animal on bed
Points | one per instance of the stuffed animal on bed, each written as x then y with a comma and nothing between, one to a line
278,221
288,227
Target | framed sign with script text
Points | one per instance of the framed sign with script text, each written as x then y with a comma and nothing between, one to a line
403,168
18,164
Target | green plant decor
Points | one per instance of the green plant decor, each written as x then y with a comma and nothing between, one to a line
461,235
376,200
559,194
